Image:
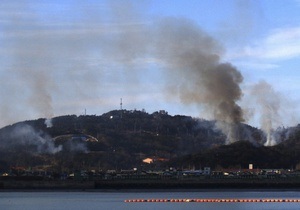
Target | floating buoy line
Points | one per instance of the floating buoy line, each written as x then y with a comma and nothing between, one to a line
214,200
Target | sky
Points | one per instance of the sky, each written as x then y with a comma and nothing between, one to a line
71,57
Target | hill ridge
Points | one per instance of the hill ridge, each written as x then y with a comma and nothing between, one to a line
124,140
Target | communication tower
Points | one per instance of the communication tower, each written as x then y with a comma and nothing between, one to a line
121,108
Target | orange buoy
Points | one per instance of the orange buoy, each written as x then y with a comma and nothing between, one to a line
212,200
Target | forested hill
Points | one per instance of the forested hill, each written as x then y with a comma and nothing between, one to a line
122,139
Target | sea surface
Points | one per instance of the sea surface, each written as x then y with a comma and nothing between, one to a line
114,200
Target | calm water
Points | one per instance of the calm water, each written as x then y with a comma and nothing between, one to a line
115,200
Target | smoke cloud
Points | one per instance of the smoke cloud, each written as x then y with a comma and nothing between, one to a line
61,59
26,137
48,123
269,105
192,59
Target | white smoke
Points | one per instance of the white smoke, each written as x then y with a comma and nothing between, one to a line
48,122
274,111
25,135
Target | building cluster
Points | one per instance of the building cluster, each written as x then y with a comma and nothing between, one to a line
19,173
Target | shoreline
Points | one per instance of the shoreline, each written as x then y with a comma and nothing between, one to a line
150,185
143,191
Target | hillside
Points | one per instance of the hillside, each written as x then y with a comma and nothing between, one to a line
241,154
122,139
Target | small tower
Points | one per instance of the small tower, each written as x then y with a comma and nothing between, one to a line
121,108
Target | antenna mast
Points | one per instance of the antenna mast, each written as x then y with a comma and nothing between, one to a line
121,108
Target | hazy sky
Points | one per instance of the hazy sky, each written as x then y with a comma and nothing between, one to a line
64,56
